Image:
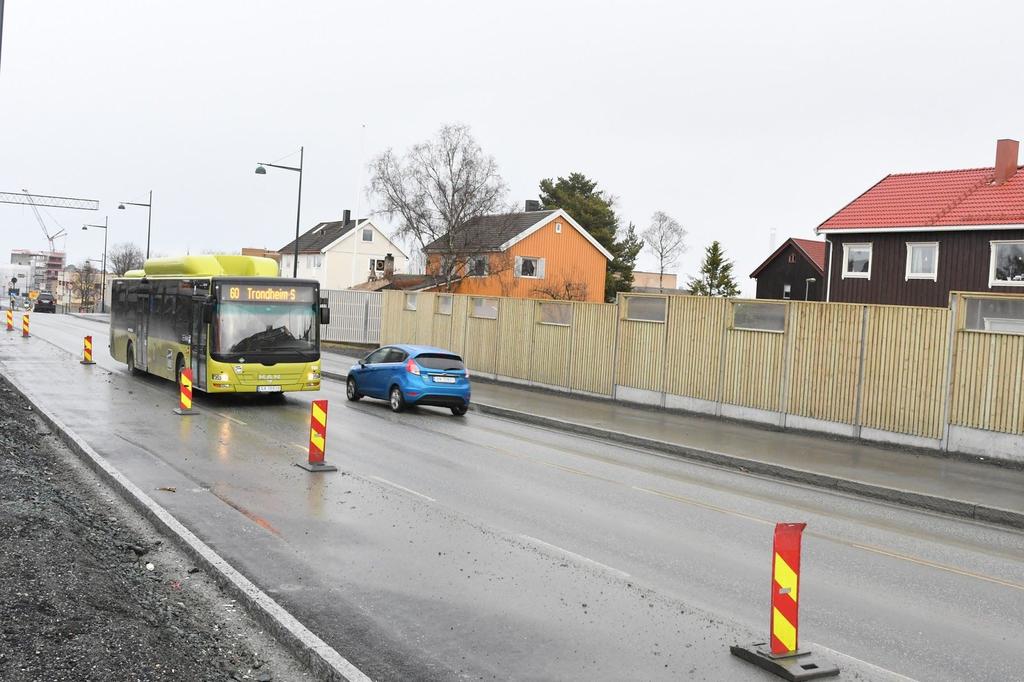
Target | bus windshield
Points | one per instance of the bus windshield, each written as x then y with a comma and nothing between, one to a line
265,328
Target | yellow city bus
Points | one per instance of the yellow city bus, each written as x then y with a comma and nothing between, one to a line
231,319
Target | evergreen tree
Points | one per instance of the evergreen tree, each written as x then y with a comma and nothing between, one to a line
715,276
594,210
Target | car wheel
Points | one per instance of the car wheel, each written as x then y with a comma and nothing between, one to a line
460,410
397,399
351,391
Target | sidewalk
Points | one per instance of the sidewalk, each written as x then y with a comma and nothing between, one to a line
986,492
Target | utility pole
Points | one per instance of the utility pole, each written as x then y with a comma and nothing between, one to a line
1,28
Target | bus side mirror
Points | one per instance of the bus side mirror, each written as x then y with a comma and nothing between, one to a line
325,315
207,313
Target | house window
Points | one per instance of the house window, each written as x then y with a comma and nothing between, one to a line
792,258
857,261
477,266
367,234
486,308
410,301
556,313
787,291
528,266
923,260
314,260
1006,267
761,317
558,228
444,304
646,308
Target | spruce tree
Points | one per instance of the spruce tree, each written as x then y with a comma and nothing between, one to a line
715,275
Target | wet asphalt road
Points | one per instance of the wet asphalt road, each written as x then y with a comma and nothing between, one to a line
481,548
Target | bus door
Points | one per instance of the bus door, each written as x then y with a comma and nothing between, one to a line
197,343
143,304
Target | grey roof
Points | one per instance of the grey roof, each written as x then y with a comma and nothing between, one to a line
320,236
489,232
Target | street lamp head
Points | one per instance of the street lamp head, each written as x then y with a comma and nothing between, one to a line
260,170
121,206
85,227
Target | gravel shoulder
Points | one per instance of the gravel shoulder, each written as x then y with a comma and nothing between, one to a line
89,590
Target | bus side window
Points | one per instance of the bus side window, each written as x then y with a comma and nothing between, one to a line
182,316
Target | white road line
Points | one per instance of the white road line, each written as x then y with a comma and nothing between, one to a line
573,555
230,418
402,487
870,666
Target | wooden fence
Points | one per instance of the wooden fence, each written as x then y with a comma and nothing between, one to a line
895,369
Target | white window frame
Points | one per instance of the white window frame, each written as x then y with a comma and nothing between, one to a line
846,260
362,235
410,300
538,267
787,291
558,227
444,297
992,281
470,270
934,276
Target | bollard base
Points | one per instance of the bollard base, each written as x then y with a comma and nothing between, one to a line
316,466
795,667
185,413
86,362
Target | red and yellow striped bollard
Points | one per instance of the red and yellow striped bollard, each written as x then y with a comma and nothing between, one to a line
24,326
781,654
87,351
317,438
185,394
10,320
785,584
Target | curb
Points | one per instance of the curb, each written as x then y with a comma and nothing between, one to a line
909,498
322,660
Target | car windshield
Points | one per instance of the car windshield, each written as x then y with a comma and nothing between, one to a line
265,327
439,361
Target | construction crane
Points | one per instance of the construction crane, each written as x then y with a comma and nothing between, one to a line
49,237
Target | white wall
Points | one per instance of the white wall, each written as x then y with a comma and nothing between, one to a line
335,266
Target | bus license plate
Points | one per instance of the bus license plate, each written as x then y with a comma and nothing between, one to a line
268,389
444,380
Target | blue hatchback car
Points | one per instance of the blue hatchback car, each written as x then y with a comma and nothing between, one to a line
411,375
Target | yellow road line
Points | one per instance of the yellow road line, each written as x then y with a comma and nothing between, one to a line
704,505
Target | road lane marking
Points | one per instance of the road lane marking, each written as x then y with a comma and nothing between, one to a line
230,418
304,448
931,564
869,666
703,505
573,555
402,487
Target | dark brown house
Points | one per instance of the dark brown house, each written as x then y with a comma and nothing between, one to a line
915,237
795,271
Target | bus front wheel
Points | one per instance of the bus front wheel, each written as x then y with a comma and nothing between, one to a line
130,359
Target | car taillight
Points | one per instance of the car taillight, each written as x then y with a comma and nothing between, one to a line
412,368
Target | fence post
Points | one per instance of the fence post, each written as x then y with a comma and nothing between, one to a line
723,355
951,339
858,417
787,362
366,319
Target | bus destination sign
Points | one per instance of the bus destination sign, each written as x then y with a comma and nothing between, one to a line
261,293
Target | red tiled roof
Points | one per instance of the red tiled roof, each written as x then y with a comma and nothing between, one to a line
813,250
935,199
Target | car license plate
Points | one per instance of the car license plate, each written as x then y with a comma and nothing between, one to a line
444,380
268,389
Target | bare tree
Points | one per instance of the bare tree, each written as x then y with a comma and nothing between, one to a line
124,257
571,287
667,239
437,190
84,283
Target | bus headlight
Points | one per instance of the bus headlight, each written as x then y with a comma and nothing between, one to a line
314,375
220,377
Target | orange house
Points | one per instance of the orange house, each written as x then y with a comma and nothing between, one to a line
533,254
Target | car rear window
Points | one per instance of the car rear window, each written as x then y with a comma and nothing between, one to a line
45,297
439,361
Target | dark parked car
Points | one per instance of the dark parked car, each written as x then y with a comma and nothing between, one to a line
412,375
45,303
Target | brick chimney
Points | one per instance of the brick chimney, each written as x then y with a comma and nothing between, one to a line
389,266
1006,160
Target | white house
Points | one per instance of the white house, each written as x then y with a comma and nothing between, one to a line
342,253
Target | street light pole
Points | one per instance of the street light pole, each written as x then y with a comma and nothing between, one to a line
103,270
149,219
261,170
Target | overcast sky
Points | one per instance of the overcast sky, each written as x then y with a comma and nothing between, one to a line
735,118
